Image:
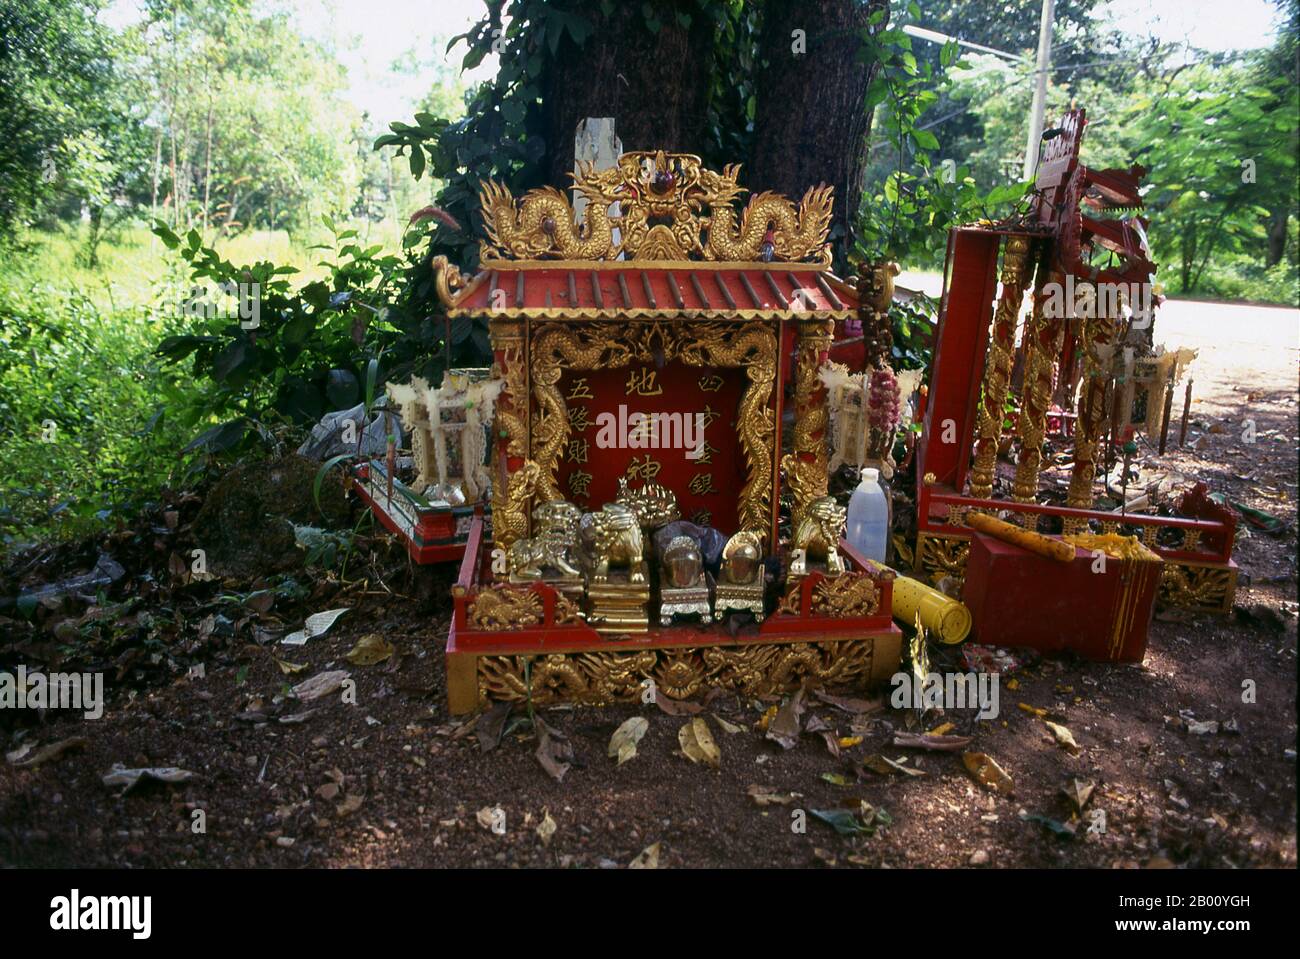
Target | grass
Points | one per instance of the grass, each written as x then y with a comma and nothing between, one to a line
89,423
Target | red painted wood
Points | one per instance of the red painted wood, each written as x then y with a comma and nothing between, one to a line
961,339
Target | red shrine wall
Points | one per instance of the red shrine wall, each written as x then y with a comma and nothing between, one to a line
605,442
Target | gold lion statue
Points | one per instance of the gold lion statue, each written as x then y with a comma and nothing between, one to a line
557,527
817,537
613,536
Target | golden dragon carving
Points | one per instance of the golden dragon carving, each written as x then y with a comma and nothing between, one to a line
543,224
671,209
797,233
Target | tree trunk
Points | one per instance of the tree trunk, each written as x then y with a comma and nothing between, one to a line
92,240
810,126
1277,230
655,85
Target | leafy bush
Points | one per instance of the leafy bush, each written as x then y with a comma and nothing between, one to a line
82,435
268,353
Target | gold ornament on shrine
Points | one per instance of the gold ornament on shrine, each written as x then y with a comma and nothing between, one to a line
671,209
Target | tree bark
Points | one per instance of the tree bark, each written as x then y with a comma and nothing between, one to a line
1277,230
810,126
655,85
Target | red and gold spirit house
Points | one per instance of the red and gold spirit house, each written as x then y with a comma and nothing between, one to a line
647,357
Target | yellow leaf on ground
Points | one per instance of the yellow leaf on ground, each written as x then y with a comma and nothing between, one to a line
370,649
649,858
988,773
1064,738
623,743
546,828
697,743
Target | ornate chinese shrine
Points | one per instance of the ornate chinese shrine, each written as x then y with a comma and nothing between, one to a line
1078,246
659,447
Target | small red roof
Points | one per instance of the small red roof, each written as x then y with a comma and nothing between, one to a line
614,291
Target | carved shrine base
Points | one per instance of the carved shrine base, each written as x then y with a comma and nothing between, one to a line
530,643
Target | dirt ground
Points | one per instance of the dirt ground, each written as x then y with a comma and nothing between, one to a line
393,780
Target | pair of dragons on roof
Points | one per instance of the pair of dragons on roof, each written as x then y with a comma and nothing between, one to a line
670,208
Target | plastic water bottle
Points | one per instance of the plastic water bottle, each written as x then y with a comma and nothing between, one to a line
868,519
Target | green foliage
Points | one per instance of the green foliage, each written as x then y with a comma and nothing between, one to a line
84,435
268,352
56,74
907,218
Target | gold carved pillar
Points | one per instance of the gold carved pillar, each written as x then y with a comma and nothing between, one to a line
1096,337
805,468
510,509
1044,337
997,367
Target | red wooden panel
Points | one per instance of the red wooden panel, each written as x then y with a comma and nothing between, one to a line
961,339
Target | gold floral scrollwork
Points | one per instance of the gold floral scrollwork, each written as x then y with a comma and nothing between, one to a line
806,467
510,516
592,679
501,609
680,673
567,611
447,279
997,366
589,346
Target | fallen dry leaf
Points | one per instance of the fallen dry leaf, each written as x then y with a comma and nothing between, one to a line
623,743
1078,792
317,624
648,859
767,796
350,804
554,751
729,728
491,726
949,744
1064,738
697,743
676,707
492,818
370,649
130,778
47,752
850,705
322,684
546,828
886,766
988,773
785,726
289,668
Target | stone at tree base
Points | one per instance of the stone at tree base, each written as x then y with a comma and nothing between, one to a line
327,436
